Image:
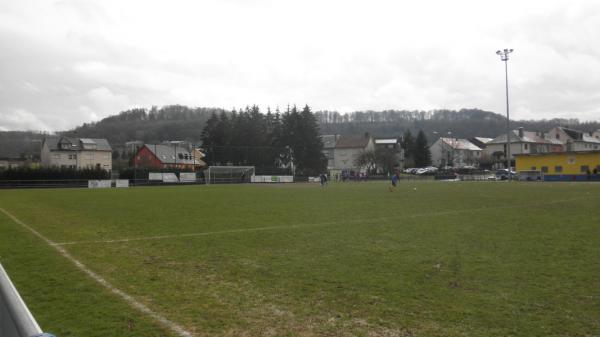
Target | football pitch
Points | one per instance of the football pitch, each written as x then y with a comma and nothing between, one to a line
351,259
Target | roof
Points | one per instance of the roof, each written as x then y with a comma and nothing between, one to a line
329,141
460,144
166,154
352,142
54,143
483,139
589,139
528,137
386,141
580,136
558,153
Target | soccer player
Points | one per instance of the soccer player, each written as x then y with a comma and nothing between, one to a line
394,182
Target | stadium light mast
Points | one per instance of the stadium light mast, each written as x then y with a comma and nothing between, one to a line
504,57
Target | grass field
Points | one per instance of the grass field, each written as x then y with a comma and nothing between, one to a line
446,259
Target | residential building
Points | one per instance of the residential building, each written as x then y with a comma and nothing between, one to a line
133,146
521,142
455,152
329,149
574,140
392,144
570,165
76,153
348,148
167,156
480,142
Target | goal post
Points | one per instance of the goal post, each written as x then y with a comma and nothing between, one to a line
229,174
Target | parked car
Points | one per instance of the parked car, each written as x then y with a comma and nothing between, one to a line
426,170
504,174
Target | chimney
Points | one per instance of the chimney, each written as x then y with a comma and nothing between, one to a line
521,133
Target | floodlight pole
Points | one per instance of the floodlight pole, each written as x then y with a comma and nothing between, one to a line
504,57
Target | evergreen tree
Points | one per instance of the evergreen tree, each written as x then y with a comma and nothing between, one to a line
422,155
301,135
408,144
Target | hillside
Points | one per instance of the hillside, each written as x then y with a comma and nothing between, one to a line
177,122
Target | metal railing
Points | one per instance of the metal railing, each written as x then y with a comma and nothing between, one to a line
15,318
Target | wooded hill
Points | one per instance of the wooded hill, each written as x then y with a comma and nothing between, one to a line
177,122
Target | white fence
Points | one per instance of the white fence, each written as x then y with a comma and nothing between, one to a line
99,183
272,179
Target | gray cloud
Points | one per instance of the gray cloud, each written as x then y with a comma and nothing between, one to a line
70,62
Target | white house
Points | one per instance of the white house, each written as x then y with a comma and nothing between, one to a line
455,152
76,153
392,144
521,142
574,140
348,148
329,149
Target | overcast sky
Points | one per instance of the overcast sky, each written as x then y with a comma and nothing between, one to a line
66,62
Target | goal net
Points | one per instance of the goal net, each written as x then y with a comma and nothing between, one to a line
229,174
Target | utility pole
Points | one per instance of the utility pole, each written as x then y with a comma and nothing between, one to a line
504,57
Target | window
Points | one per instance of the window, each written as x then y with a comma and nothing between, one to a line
558,169
545,169
557,136
585,168
526,146
57,156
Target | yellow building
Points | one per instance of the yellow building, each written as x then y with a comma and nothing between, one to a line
566,165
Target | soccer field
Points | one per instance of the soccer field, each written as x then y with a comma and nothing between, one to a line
351,259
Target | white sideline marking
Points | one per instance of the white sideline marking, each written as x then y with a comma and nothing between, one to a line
318,224
129,299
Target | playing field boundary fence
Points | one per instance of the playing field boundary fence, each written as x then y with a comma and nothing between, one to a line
15,318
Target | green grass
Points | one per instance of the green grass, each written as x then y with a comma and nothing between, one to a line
447,259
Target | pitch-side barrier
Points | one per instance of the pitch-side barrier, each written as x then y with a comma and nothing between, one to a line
15,318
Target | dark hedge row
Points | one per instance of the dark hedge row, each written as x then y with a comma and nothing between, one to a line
26,173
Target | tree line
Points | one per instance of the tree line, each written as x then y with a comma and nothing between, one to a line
270,141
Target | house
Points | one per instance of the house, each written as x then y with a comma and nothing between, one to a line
574,140
455,152
133,146
168,156
393,144
348,148
570,165
521,142
480,142
329,148
76,153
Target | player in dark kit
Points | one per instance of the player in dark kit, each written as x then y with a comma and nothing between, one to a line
394,182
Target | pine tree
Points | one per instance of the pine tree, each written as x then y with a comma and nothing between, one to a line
422,154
